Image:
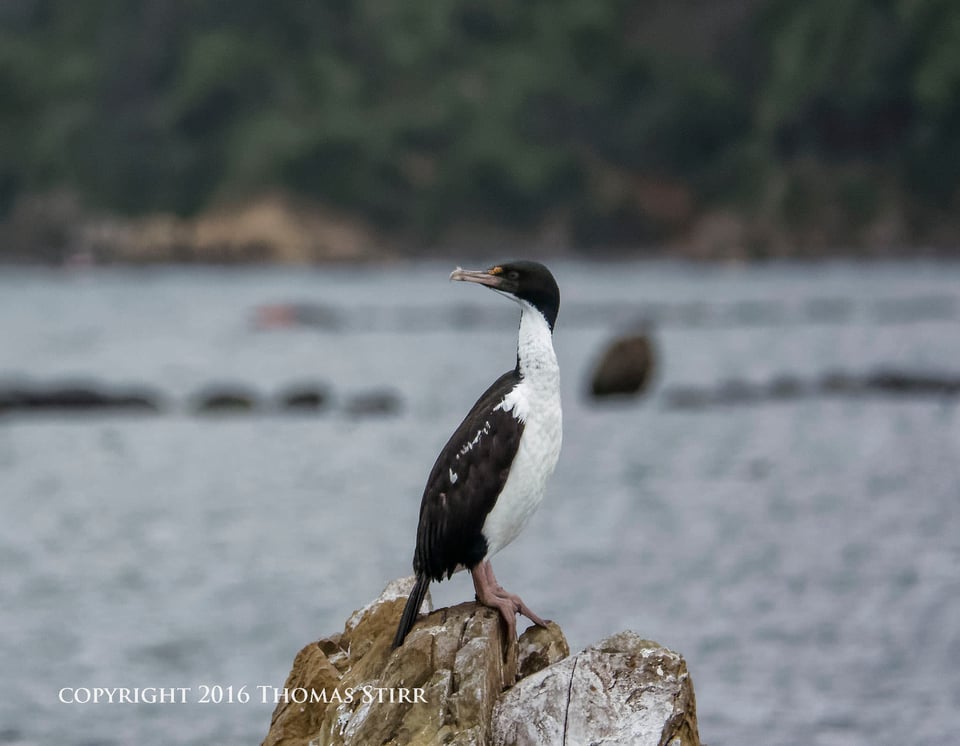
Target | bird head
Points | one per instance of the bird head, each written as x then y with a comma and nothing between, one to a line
523,281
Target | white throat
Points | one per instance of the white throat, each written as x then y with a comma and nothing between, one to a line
535,351
537,361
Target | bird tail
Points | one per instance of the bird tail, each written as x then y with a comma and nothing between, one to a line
410,611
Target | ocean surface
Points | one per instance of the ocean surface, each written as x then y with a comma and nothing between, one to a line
802,554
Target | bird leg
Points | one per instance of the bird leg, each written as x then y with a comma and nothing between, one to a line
521,607
491,593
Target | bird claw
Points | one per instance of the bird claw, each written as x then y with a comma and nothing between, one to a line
491,593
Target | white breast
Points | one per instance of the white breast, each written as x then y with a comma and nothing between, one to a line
536,402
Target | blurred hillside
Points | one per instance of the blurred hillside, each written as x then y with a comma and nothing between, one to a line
745,128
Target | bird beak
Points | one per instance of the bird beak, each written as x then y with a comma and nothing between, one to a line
490,277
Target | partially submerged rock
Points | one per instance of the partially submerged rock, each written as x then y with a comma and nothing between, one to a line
66,398
443,684
305,397
781,388
375,402
225,399
625,367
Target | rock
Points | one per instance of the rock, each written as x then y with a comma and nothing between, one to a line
624,690
443,684
838,382
625,367
138,400
372,403
734,391
303,398
687,397
786,387
224,399
891,382
922,384
540,647
73,397
448,674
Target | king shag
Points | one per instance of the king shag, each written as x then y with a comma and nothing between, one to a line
491,475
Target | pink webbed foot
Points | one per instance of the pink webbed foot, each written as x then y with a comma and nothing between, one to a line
491,593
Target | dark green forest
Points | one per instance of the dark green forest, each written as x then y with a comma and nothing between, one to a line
808,124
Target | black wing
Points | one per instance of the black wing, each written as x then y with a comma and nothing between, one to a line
464,483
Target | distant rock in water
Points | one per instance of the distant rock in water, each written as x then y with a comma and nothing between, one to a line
735,391
303,398
139,400
373,403
76,398
225,399
625,367
836,383
688,397
891,382
787,387
445,685
901,382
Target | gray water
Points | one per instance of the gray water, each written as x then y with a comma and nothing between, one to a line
804,556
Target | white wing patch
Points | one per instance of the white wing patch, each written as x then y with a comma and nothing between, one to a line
517,403
468,446
454,476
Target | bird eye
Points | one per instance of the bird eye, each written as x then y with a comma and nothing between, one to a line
513,274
